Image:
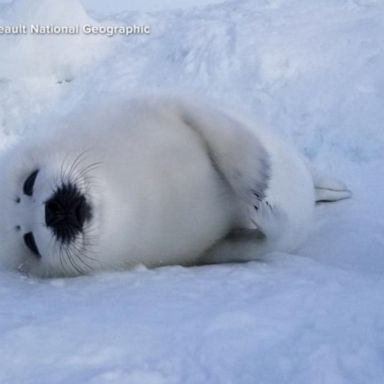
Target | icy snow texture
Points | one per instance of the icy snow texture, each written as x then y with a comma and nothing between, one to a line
115,6
312,71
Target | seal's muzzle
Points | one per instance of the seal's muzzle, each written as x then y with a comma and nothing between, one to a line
66,212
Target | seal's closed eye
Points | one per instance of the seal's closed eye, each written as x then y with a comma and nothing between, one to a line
29,183
30,242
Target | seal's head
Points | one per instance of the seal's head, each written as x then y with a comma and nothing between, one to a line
47,221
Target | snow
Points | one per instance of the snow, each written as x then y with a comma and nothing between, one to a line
312,71
117,6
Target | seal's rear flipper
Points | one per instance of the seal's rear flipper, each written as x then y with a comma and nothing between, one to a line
328,189
327,195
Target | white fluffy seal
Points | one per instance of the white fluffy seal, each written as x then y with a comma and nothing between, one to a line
152,181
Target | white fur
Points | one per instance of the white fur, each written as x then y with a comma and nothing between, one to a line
167,181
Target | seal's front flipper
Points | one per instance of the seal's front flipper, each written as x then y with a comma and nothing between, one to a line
243,162
269,220
235,152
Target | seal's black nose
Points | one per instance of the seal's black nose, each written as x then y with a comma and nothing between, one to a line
66,212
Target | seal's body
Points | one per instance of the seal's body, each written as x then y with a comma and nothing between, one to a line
152,181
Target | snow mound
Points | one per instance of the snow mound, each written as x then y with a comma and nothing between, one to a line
36,67
41,55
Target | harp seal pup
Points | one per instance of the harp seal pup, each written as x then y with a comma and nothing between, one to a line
153,181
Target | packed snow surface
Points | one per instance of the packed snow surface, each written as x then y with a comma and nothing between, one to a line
312,71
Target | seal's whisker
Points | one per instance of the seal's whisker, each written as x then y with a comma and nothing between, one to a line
78,255
76,162
72,261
